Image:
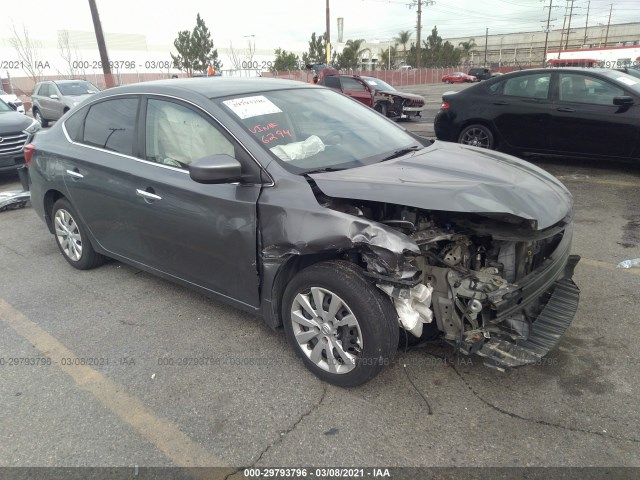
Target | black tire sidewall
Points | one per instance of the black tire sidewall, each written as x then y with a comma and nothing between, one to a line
374,311
483,127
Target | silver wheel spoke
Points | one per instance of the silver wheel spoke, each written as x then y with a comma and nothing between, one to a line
68,235
334,307
318,297
303,300
304,337
316,353
347,321
305,322
346,357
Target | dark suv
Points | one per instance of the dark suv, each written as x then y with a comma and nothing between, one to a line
481,73
52,99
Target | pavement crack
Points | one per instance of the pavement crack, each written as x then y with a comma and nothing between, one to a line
539,422
283,434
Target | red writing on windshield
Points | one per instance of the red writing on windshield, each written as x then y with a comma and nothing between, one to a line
278,134
263,128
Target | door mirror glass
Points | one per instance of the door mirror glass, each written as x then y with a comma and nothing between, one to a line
220,168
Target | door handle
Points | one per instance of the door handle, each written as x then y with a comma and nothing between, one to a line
502,102
75,173
148,195
565,109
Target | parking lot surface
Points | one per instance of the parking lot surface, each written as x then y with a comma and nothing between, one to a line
121,368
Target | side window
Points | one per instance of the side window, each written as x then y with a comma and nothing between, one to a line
44,90
111,125
73,124
494,88
352,84
332,82
177,135
584,89
528,86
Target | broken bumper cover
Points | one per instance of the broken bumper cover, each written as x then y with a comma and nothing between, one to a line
554,281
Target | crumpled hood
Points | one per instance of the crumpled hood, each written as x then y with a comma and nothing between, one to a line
408,96
456,178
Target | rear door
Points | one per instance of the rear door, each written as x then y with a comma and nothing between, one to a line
522,111
131,187
357,89
585,121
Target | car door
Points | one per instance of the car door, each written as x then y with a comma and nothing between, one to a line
57,105
132,189
585,120
44,101
521,108
357,89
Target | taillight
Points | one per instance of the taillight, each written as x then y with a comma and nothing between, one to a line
29,150
445,106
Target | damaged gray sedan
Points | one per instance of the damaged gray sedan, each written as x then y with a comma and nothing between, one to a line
302,206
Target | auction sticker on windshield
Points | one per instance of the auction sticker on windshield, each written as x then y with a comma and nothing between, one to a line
248,107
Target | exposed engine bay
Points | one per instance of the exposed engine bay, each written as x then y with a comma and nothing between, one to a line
477,282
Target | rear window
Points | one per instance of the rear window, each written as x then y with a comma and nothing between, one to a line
111,125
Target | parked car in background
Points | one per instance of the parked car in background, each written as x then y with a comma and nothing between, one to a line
481,73
297,204
52,99
377,94
16,130
11,99
458,77
565,111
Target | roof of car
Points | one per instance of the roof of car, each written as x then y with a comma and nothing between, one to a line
211,87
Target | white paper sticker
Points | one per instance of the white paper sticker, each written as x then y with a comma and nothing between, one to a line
247,107
626,81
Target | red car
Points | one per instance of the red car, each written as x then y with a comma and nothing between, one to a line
458,77
377,94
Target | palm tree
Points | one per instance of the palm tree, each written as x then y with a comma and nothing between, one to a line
404,36
352,53
467,47
385,61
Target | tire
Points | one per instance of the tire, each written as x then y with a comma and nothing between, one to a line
448,82
72,237
38,116
371,334
477,136
381,107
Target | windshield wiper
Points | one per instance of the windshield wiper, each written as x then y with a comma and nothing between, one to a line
323,170
403,151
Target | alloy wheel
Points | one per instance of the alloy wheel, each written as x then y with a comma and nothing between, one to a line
476,137
68,235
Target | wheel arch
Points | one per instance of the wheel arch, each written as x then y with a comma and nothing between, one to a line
50,198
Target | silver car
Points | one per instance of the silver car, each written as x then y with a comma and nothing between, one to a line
52,99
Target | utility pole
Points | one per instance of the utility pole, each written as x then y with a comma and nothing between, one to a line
586,24
419,31
486,41
104,57
546,37
606,38
566,44
562,33
328,43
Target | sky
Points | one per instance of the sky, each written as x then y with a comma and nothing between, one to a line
288,24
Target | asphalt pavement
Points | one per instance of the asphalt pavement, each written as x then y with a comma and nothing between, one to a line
114,367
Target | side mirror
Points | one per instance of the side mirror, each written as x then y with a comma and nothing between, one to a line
219,168
623,101
54,96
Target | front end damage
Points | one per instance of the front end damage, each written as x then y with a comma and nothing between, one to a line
491,285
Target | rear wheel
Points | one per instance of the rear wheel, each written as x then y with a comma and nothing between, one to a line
476,136
72,237
40,119
344,328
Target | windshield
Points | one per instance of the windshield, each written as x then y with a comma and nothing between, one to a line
378,84
4,107
312,129
73,89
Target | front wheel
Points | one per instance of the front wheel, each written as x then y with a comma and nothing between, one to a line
477,136
40,119
72,237
381,107
344,328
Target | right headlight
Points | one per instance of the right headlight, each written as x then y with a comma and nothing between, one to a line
33,128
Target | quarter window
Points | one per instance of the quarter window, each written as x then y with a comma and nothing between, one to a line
528,86
585,89
111,125
332,82
178,136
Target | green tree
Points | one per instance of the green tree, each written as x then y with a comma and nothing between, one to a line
317,50
404,36
467,47
195,50
435,52
351,55
384,57
285,61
